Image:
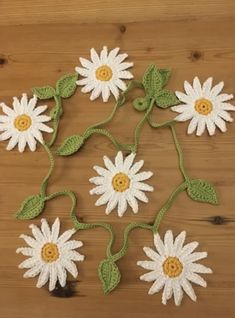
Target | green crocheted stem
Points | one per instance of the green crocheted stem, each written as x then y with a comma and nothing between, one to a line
84,226
153,227
160,125
58,113
43,187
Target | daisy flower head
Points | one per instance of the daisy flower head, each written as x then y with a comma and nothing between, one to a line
121,184
23,123
50,255
104,74
172,267
205,106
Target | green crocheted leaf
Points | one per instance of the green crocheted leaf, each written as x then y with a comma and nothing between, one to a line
45,92
66,85
31,207
203,191
141,103
152,81
166,98
165,74
70,145
109,275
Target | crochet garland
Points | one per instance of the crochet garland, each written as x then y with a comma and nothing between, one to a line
153,85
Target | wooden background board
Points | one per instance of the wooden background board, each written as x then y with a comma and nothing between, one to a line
40,41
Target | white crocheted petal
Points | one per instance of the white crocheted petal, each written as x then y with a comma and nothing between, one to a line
178,292
188,249
201,269
37,134
181,108
52,277
196,279
34,271
55,229
82,71
150,276
210,125
44,276
104,55
187,287
136,167
157,285
185,115
120,58
97,180
113,54
61,273
101,189
149,265
225,115
128,162
109,165
119,161
152,254
125,65
86,63
224,97
7,110
140,195
113,90
4,119
179,242
201,126
29,262
88,86
6,135
167,292
17,106
122,205
70,267
197,87
216,89
71,245
95,57
13,142
21,143
113,201
189,90
120,84
65,236
142,176
37,234
183,98
42,119
96,92
30,241
169,243
159,244
44,128
75,256
101,171
26,251
142,186
195,257
24,101
107,196
206,87
46,230
193,125
31,141
227,106
125,75
220,123
105,92
132,202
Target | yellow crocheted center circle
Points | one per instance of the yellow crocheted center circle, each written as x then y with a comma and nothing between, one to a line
104,73
22,122
50,252
203,106
120,182
172,267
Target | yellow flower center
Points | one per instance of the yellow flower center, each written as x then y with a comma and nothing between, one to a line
172,267
203,106
50,252
22,122
104,73
120,182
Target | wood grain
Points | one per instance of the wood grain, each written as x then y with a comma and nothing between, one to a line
42,40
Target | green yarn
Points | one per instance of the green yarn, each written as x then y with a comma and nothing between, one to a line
153,83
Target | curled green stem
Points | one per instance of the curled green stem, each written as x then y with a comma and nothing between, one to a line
43,187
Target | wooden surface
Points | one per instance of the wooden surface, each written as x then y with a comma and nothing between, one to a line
40,41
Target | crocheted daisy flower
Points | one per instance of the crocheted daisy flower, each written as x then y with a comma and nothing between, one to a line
205,106
50,255
104,74
120,184
173,267
23,124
